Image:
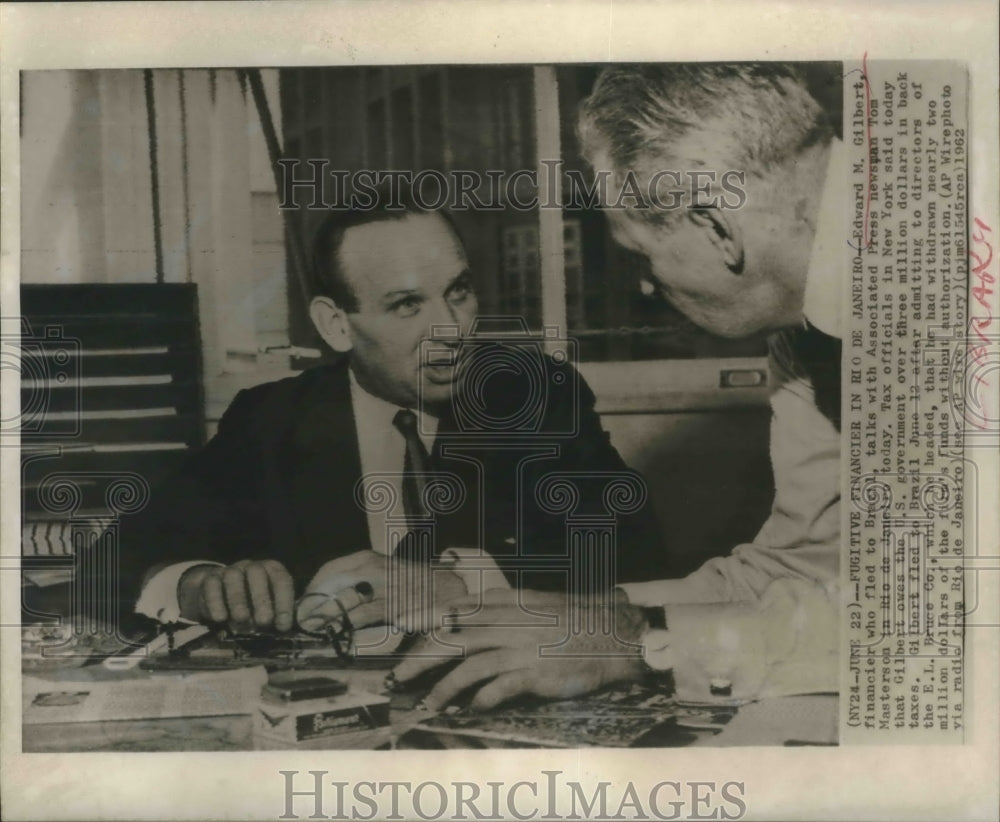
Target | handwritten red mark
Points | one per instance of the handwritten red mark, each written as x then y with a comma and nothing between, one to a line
981,252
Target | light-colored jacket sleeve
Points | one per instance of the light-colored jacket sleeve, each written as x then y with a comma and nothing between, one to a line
801,538
764,619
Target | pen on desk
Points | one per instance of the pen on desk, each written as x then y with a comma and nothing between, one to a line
158,644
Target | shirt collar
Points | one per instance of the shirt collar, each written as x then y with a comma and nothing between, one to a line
377,414
824,294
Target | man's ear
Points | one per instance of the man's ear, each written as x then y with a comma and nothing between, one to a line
723,230
331,323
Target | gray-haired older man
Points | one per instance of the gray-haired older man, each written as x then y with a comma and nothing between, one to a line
762,620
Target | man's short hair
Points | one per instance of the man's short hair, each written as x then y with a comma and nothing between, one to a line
746,117
388,204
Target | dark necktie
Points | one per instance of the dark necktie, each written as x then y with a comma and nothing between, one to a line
416,466
820,357
808,352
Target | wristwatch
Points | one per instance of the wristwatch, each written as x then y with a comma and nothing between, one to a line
661,659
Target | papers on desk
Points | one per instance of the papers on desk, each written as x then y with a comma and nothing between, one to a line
211,694
617,718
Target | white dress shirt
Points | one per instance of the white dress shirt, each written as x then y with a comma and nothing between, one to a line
382,447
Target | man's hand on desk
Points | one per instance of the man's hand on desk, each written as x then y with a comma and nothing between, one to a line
372,589
549,645
783,644
247,595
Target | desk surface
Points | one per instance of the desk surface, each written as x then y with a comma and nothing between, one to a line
644,722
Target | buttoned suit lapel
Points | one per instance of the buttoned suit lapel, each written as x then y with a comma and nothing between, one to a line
321,466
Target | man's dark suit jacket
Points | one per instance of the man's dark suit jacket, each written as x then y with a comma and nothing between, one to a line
278,481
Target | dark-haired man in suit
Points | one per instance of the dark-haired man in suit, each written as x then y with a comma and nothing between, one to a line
278,491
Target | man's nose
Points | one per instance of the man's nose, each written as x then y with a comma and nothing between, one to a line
448,334
441,345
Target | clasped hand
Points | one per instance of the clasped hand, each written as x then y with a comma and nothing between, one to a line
372,588
508,643
368,588
528,643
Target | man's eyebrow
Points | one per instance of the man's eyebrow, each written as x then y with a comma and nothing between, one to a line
392,296
465,274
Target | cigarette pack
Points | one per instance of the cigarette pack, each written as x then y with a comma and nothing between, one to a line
349,720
